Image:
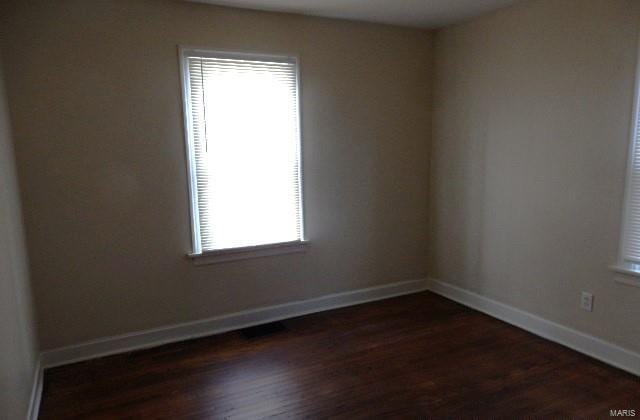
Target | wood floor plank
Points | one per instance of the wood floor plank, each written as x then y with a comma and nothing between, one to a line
409,357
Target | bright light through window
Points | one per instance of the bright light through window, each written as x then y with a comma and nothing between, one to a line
244,147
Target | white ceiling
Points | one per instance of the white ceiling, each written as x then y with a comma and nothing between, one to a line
419,13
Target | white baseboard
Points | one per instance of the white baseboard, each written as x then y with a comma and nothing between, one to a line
36,393
584,343
158,336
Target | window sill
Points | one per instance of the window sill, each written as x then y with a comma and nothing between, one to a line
630,274
258,251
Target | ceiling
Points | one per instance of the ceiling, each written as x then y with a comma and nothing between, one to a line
418,13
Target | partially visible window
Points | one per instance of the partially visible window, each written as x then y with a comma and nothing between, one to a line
243,139
630,246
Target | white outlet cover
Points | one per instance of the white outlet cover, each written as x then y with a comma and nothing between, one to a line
586,301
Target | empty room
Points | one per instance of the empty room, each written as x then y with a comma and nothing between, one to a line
353,209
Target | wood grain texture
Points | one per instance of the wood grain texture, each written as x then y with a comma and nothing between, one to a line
414,356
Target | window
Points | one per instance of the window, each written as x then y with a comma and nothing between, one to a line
243,141
629,261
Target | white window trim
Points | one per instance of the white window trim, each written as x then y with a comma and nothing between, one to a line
197,255
623,266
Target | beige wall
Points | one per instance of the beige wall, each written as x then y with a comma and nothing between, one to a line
17,342
532,109
95,98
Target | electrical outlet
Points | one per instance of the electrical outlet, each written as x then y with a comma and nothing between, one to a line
586,301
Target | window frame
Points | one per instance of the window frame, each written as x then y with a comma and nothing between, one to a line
622,265
199,256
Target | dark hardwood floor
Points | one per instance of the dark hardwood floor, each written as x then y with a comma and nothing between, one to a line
408,357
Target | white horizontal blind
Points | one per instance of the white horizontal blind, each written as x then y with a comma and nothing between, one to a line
631,234
244,149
